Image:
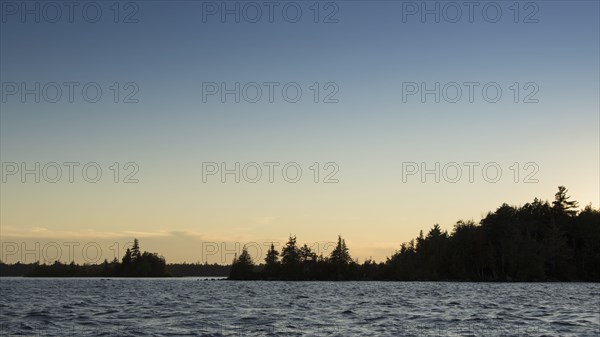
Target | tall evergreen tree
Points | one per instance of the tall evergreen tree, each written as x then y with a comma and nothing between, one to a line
562,204
340,255
135,251
242,267
272,256
127,258
290,259
272,261
290,254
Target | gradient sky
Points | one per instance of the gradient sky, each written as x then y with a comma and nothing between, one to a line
170,52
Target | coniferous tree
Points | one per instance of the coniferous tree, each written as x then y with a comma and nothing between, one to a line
290,259
340,255
562,204
135,251
308,259
126,261
307,255
340,259
272,255
271,261
242,267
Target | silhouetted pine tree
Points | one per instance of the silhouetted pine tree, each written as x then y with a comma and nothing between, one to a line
135,251
290,260
308,258
271,262
562,205
340,259
242,267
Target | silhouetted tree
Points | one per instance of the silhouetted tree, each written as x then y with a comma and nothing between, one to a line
562,204
135,251
290,259
308,259
340,255
307,255
271,262
340,259
127,260
242,267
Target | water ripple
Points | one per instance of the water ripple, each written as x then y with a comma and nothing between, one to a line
189,307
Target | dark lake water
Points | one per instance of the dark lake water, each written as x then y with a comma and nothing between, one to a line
194,307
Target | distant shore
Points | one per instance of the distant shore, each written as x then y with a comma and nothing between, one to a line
99,270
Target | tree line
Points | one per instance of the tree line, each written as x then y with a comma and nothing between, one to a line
538,241
107,269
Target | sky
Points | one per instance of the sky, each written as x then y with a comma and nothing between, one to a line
497,104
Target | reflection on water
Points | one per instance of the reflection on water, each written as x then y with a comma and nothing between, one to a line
198,307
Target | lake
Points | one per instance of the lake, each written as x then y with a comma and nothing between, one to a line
198,307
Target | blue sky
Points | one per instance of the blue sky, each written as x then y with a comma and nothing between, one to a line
367,55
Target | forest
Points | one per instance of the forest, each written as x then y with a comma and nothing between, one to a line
538,241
